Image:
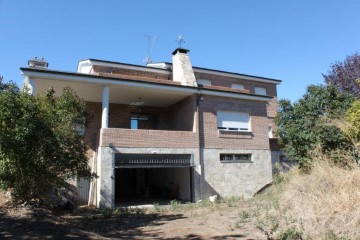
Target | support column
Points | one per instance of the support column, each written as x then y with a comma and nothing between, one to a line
105,108
29,84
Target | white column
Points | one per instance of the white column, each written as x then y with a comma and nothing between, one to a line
105,108
29,84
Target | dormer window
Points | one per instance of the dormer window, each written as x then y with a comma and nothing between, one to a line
237,86
260,90
204,82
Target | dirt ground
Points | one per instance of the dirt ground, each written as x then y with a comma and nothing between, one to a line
188,221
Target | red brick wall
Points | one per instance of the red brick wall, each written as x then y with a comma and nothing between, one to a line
213,138
248,85
183,114
126,73
227,81
148,138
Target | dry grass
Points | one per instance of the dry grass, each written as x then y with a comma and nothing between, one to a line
324,204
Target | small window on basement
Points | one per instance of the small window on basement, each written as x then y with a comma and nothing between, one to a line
204,82
233,121
260,90
237,86
242,157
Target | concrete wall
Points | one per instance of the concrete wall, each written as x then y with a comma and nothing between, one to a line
106,180
236,179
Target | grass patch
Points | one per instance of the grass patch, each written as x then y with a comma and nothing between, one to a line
323,204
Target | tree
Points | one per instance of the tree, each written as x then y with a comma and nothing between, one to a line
39,146
307,124
344,74
351,127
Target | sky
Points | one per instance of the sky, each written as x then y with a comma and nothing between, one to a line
293,41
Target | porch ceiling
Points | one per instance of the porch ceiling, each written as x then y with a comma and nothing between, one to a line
118,94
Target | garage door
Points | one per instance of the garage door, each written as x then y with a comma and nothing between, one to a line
153,160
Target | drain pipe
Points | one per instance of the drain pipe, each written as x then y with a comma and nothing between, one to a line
198,98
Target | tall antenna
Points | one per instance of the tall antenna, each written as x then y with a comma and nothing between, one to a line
180,40
151,44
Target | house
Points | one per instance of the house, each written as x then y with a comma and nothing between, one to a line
170,130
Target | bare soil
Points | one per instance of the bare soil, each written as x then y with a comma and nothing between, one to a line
189,221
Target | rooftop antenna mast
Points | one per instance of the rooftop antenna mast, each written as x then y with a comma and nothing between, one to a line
151,42
180,40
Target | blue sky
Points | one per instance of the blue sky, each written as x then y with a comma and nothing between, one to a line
294,41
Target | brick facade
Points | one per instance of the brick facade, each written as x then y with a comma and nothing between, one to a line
143,138
213,138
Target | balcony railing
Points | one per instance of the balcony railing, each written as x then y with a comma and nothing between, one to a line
143,138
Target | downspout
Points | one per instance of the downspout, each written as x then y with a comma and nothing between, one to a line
198,97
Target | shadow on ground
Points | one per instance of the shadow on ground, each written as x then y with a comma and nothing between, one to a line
43,224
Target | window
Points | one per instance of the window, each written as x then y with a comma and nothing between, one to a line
137,121
242,157
260,90
237,86
204,82
233,121
270,132
80,129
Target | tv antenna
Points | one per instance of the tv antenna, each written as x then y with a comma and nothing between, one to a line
180,40
151,44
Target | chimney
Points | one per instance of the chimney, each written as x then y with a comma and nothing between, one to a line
182,69
38,63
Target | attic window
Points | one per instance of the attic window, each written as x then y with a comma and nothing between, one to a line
260,90
237,86
204,82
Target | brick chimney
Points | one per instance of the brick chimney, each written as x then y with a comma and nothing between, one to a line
182,69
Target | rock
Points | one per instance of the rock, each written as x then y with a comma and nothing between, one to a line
64,199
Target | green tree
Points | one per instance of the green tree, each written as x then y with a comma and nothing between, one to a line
307,123
351,127
39,146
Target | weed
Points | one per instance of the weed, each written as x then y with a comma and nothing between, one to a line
174,205
157,208
291,234
232,201
189,206
243,215
330,235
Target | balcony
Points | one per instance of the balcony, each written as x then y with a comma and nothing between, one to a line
144,138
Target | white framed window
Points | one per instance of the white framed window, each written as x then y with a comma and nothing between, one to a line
233,121
260,90
203,82
237,86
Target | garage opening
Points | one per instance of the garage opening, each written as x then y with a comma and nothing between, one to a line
142,179
141,186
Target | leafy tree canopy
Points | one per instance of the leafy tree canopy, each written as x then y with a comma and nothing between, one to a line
307,124
344,75
39,146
